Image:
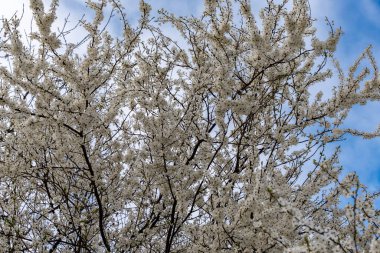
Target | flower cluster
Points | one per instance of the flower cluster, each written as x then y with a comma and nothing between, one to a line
136,144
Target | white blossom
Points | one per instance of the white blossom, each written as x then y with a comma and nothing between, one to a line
136,144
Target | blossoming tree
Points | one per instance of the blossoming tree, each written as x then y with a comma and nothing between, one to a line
137,144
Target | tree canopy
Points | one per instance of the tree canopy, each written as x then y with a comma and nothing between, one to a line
135,143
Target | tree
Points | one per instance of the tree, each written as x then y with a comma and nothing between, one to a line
142,145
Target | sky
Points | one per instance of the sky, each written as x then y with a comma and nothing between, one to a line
360,22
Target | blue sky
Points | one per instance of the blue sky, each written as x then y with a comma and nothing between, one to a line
360,21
